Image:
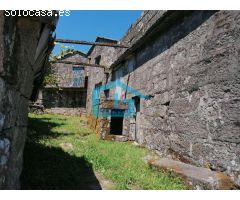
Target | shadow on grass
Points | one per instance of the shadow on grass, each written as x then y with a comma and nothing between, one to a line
49,168
39,128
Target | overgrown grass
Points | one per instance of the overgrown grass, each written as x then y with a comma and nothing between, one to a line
119,162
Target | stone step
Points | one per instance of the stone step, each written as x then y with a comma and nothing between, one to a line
119,138
195,177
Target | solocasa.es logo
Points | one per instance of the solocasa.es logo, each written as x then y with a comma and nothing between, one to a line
116,107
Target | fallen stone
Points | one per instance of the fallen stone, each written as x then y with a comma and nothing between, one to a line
135,143
195,177
66,146
150,157
104,183
118,138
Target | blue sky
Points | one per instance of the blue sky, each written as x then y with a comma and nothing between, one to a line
87,25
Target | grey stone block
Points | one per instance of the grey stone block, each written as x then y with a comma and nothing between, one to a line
196,177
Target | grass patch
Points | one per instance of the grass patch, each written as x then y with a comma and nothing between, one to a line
49,166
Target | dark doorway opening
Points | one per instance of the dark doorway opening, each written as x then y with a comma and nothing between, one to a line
116,125
134,124
137,103
86,82
97,60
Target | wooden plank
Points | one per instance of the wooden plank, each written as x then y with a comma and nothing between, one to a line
90,43
80,63
109,104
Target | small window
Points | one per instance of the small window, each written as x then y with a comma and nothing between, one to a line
137,103
131,64
97,60
98,85
106,93
124,70
86,82
119,73
97,89
78,77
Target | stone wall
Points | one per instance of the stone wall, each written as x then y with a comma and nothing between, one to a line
189,64
20,50
65,111
64,72
138,30
98,76
67,98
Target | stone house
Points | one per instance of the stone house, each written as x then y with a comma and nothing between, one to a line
69,94
75,81
188,63
97,76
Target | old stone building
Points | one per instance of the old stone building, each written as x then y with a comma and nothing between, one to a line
187,63
68,95
74,81
98,76
179,76
25,44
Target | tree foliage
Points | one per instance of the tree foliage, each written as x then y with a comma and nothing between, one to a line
51,78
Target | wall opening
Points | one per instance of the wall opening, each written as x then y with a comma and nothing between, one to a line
78,77
116,125
106,93
86,82
97,60
137,103
97,88
134,124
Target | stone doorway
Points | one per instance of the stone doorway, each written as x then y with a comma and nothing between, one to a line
116,126
134,122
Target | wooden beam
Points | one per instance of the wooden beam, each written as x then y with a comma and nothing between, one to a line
80,63
90,43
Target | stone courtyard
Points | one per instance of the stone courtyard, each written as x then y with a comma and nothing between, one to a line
186,64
